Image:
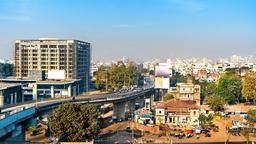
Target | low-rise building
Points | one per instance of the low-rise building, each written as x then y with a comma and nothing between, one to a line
10,93
41,89
177,112
186,91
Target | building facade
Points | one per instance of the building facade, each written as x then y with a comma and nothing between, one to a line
72,56
43,89
186,91
178,113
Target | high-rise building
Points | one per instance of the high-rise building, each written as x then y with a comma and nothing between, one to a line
69,57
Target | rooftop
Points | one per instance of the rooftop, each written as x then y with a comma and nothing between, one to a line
176,105
7,85
12,79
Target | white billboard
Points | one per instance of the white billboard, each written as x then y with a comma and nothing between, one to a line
56,74
162,83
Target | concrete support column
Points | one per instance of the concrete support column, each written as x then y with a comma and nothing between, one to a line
140,101
34,91
17,131
52,92
1,100
22,97
74,91
78,90
119,109
69,90
131,105
15,97
11,96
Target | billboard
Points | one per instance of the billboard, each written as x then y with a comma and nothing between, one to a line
162,83
56,74
162,71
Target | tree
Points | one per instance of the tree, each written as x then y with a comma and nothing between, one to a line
215,102
168,96
205,120
249,86
118,76
246,133
206,88
101,78
151,72
6,69
177,78
252,116
75,122
229,87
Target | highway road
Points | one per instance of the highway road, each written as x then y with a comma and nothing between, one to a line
89,98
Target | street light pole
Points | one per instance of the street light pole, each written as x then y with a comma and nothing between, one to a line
132,129
225,129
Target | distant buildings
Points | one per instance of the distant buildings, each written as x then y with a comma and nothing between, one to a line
125,60
70,57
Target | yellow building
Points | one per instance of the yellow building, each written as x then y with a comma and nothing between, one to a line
71,56
186,91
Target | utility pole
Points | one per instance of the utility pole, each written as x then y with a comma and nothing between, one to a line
132,129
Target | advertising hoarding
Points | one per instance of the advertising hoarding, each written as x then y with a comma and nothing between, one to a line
56,74
162,83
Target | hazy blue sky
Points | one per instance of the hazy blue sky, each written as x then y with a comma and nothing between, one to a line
140,29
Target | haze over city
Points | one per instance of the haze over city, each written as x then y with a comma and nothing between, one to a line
141,30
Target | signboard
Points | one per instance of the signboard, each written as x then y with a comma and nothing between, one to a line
56,74
162,83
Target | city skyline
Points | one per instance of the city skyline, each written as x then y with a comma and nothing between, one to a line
138,29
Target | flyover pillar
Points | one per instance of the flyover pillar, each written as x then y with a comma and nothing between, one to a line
131,105
22,97
119,109
52,92
11,101
15,97
1,100
69,90
17,131
34,92
140,101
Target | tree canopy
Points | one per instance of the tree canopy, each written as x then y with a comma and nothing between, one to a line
6,70
206,88
252,116
205,120
215,102
249,86
168,96
75,122
118,76
229,87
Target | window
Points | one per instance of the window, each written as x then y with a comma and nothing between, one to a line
62,46
52,46
160,111
194,112
43,46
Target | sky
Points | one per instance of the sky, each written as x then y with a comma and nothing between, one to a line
139,29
